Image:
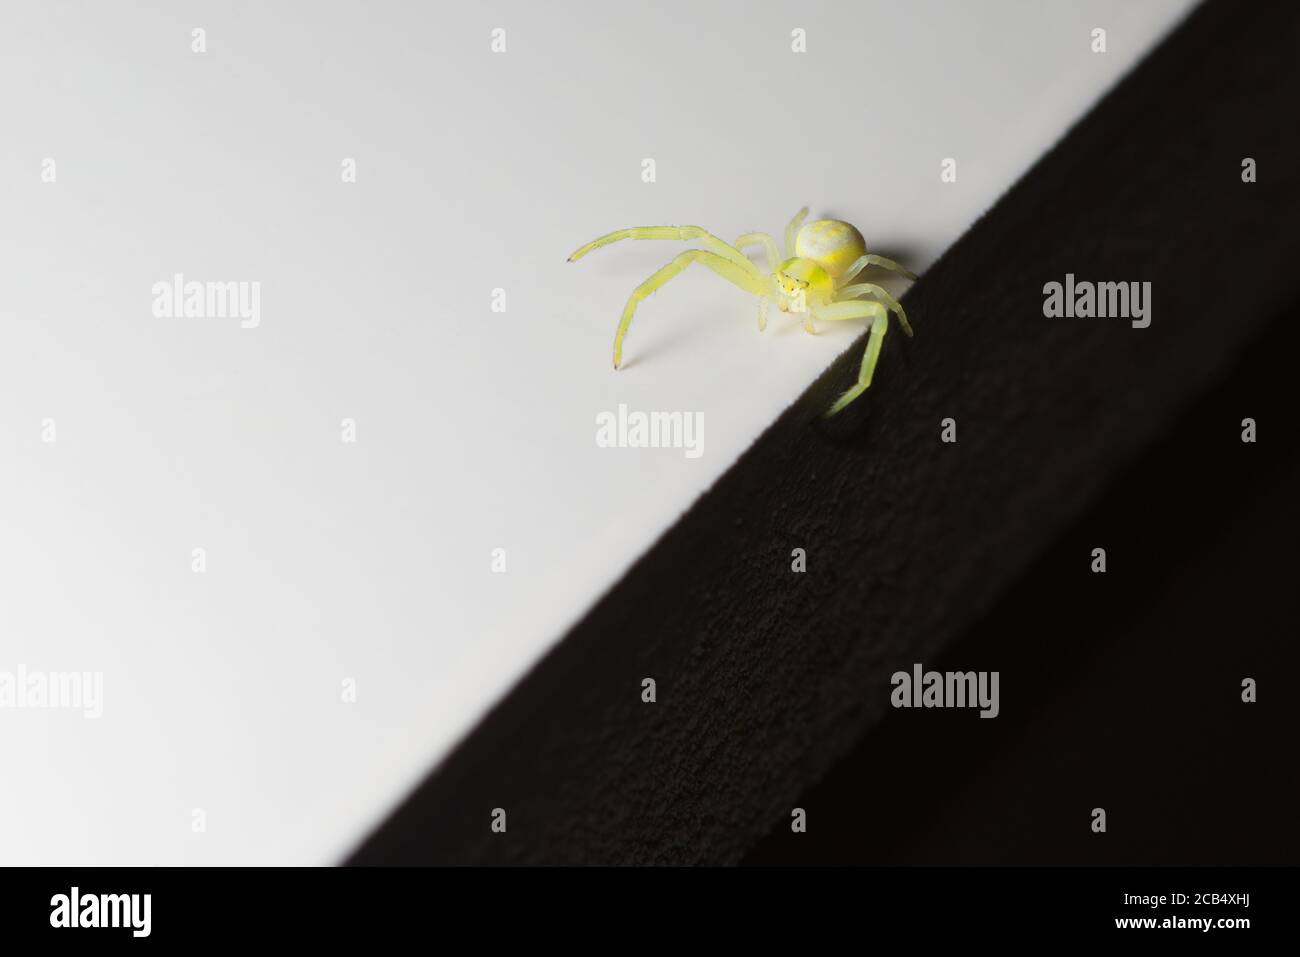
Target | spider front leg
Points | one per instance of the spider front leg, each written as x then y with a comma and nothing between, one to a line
681,233
871,289
801,308
767,242
798,303
750,280
879,324
871,259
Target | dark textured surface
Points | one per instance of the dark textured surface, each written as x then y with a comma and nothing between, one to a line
1123,690
765,677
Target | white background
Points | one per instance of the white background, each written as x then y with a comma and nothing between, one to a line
475,430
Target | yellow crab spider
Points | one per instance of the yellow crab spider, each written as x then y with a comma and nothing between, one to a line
814,279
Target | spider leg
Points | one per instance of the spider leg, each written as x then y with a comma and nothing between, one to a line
773,260
871,259
686,233
879,324
767,242
871,289
749,280
793,228
850,309
809,313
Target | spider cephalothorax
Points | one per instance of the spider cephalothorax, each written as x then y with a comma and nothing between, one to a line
814,280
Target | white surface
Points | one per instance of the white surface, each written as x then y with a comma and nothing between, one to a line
371,561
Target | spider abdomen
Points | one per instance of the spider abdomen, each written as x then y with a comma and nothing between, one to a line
831,244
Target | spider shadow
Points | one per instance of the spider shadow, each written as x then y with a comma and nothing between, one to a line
668,343
851,426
